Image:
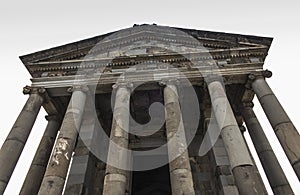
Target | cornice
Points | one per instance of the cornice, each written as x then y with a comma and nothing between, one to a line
145,76
127,61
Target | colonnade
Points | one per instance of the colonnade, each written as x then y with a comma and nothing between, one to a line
48,172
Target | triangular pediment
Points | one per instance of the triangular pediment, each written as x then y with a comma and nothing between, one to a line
139,42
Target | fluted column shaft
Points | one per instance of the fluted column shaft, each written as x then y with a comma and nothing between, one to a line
180,169
39,163
273,170
16,139
57,169
116,177
285,131
246,176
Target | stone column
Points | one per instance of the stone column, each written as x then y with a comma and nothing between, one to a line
285,131
246,176
39,163
218,157
81,177
180,169
273,170
16,139
115,181
57,169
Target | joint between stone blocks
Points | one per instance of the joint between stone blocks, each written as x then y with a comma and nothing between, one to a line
212,78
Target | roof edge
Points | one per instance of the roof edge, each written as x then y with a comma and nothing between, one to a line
75,46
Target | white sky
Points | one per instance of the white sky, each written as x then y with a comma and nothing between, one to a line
29,26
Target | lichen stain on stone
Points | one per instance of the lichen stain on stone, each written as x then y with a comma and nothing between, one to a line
60,149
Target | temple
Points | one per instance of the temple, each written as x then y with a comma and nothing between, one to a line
151,110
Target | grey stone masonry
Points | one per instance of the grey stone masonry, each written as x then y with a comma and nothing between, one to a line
17,137
40,161
57,169
285,130
224,180
180,169
273,170
116,178
247,178
84,167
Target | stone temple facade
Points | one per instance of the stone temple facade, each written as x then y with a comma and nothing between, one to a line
151,110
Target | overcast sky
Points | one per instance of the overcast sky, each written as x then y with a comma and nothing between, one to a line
29,26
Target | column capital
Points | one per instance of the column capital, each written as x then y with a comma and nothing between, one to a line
83,88
30,90
128,85
264,74
213,77
259,75
169,82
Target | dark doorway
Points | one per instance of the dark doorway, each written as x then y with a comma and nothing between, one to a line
151,182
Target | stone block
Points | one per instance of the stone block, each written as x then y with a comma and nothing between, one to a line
220,151
202,176
230,190
224,160
223,170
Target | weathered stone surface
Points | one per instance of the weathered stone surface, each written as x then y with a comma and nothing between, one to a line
286,132
273,170
84,169
52,185
114,184
230,190
289,139
57,169
180,169
40,161
231,135
116,180
247,178
16,139
234,55
181,182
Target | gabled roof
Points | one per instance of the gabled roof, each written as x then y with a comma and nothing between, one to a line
69,56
